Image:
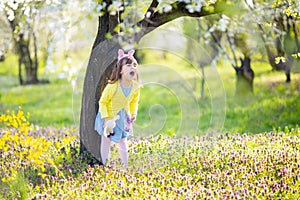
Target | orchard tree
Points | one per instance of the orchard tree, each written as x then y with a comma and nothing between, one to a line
239,36
278,23
227,36
21,16
121,24
5,38
196,30
241,45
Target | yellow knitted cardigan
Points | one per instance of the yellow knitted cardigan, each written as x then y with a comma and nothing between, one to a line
113,100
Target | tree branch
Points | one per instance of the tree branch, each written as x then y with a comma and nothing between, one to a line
232,49
179,9
222,49
151,9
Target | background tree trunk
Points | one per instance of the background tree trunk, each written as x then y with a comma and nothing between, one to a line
25,58
2,56
245,77
22,45
284,66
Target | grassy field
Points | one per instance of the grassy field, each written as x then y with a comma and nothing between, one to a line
40,156
170,99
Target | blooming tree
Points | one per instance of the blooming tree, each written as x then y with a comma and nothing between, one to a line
258,26
22,16
278,24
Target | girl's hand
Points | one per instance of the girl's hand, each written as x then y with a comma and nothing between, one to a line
105,121
133,118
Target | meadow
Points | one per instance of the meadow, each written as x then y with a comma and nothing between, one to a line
44,163
253,154
171,92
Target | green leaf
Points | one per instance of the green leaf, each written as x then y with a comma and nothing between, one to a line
108,35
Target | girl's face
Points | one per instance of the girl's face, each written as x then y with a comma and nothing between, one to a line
129,71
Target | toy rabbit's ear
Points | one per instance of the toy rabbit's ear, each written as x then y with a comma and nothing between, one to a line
120,54
130,53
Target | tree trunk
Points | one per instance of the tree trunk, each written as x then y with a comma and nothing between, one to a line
20,71
103,57
284,66
2,56
245,77
22,45
25,57
278,50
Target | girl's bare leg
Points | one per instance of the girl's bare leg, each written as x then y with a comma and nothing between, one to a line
123,150
105,148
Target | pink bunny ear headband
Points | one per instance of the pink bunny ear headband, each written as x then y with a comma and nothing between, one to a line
121,54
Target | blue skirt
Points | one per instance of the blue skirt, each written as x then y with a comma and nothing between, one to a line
122,129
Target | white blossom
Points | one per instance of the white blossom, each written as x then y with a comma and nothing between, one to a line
10,14
148,14
223,23
101,6
198,7
27,11
190,8
167,8
13,5
250,3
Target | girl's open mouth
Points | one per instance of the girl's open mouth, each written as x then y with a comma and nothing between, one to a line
131,73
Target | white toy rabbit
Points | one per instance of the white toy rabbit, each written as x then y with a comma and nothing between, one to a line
110,125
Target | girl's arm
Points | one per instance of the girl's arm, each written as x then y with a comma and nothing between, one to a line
134,104
105,101
105,121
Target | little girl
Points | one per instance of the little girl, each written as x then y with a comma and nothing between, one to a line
119,98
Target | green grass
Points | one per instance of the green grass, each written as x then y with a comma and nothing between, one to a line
228,166
170,100
9,67
48,104
274,103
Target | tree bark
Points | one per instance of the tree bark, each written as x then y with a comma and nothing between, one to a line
22,45
20,71
30,68
245,77
2,56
